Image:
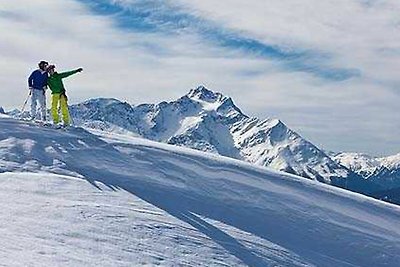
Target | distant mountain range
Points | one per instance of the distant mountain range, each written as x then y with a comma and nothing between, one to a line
383,171
211,122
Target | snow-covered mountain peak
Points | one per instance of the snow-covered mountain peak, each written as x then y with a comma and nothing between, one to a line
1,110
203,94
366,164
229,108
210,101
105,114
391,162
382,171
273,123
102,100
257,131
358,162
104,103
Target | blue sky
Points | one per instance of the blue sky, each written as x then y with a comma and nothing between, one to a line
328,69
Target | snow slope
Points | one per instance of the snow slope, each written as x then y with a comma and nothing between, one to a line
75,198
211,122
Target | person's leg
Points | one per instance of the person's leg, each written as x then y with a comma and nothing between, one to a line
33,103
55,99
42,103
64,109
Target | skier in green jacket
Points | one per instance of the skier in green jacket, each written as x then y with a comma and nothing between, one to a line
58,95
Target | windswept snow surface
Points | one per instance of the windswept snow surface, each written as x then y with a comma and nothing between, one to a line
74,198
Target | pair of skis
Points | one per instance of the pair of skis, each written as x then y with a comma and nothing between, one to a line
47,124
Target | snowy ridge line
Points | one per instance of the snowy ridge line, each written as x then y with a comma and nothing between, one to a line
118,139
384,171
215,211
221,161
115,141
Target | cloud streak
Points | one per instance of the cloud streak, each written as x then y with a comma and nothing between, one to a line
167,17
357,35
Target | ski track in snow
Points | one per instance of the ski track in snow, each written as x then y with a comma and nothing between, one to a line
74,198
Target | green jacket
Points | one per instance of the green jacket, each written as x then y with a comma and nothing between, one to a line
55,81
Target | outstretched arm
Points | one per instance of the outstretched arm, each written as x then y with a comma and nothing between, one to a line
69,73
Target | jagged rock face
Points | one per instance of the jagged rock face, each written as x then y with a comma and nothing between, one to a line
2,110
209,121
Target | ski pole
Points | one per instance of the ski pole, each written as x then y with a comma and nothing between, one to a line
45,105
26,101
70,117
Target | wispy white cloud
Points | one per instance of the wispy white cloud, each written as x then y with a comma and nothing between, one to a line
168,17
358,34
156,56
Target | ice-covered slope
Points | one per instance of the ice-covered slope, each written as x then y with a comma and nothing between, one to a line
75,198
383,171
211,122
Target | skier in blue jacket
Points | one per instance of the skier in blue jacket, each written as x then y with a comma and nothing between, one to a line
37,82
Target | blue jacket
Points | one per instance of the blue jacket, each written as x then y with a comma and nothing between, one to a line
38,80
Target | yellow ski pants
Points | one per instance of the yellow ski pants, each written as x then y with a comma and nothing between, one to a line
58,100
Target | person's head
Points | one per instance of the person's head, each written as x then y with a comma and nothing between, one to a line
51,69
43,65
